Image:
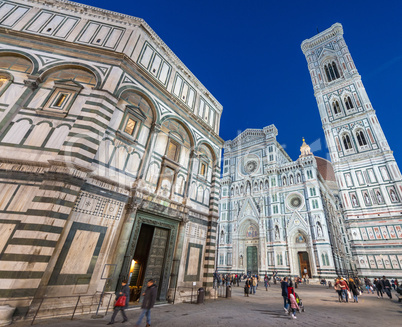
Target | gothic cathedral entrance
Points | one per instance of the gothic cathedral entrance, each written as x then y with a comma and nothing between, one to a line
304,264
252,260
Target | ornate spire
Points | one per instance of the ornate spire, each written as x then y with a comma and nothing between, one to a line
304,149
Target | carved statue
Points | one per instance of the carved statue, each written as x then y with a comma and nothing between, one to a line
319,230
366,198
379,197
393,196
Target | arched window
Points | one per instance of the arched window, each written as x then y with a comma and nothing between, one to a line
336,107
346,142
15,63
284,181
335,69
248,188
332,72
348,102
327,73
360,138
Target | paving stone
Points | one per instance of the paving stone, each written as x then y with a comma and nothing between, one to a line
265,308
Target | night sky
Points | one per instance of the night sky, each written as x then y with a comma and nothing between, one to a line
247,54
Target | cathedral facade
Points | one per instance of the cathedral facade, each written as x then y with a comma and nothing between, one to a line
368,177
277,214
109,158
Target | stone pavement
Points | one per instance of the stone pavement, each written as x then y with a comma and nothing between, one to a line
263,309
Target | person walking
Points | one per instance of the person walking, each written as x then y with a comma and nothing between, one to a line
354,290
247,287
254,281
369,286
378,287
266,282
338,289
148,302
284,286
344,289
386,286
125,291
293,305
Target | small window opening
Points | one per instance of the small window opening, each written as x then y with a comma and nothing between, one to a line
203,169
348,103
360,138
130,126
337,109
346,142
60,100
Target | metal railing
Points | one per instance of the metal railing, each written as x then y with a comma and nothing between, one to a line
193,293
65,306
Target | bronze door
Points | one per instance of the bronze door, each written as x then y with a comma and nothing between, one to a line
252,260
304,264
155,263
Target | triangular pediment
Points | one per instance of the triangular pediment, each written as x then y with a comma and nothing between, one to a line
249,135
326,53
137,112
249,209
296,221
68,83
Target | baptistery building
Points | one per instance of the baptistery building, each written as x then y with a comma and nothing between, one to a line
277,214
109,160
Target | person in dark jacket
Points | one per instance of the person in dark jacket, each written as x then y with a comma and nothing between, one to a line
353,289
378,287
125,290
386,286
148,302
284,286
247,287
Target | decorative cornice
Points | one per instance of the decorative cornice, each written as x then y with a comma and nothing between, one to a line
123,19
329,33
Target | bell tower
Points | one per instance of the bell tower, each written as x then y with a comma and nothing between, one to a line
367,174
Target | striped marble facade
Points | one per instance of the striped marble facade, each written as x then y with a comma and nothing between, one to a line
102,129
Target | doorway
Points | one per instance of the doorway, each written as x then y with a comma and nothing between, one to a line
304,264
148,260
252,260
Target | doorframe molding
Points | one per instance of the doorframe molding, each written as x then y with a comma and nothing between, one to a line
156,221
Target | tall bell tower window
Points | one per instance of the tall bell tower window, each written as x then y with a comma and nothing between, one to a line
360,138
336,107
335,69
332,72
346,142
348,102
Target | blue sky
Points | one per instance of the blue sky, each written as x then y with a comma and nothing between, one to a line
247,54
